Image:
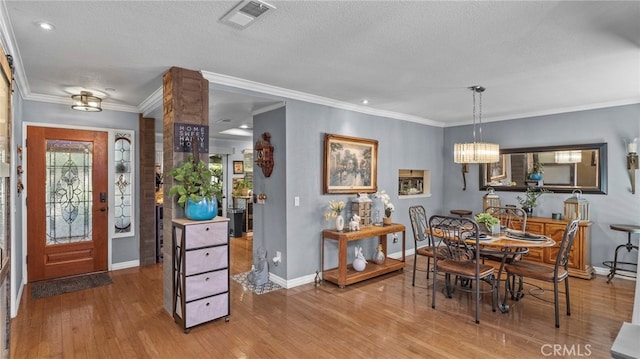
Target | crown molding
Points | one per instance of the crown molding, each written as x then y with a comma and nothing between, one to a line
595,106
7,38
151,103
302,96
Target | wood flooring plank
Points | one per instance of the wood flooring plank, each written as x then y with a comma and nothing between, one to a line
373,319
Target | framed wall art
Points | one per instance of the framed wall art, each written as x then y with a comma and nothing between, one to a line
497,171
350,164
238,167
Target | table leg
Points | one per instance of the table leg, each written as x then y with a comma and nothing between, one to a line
503,306
342,263
322,258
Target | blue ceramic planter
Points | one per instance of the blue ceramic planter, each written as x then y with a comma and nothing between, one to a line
201,211
535,176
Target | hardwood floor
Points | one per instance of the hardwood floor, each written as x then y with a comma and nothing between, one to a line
380,318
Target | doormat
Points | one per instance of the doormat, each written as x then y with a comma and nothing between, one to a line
258,289
68,285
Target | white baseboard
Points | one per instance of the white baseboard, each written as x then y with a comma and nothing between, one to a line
605,271
295,282
125,265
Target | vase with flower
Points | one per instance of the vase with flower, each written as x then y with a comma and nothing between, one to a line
335,211
387,206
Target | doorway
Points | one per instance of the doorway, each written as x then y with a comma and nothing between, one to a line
66,202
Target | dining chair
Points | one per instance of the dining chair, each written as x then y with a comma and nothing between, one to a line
510,217
555,274
461,238
421,240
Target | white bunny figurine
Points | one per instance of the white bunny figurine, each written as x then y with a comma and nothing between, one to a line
359,263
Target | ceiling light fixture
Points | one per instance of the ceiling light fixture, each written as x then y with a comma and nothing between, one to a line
46,26
85,101
476,151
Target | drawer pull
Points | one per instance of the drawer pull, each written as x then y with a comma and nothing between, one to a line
207,304
207,229
206,279
206,254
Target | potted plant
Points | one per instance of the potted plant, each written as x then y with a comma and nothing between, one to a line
489,221
195,190
536,171
242,188
530,199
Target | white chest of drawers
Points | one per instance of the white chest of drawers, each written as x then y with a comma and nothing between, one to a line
200,271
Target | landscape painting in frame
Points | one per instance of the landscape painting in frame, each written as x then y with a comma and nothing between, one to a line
497,171
350,164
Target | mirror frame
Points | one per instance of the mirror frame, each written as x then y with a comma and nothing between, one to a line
602,169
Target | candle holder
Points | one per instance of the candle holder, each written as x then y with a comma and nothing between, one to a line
632,162
632,166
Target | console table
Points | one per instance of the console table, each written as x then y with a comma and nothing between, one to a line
344,274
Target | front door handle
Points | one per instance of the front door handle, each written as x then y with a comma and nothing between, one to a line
102,209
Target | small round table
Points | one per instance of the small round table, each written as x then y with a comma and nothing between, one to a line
461,212
630,229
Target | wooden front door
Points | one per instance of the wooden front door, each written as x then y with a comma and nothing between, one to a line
67,211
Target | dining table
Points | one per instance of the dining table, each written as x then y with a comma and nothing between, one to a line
509,246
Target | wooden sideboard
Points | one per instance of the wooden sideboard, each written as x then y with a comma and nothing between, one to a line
344,274
580,257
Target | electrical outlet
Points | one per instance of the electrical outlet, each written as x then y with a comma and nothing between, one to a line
296,201
278,254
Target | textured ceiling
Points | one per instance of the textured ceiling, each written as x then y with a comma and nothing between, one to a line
410,59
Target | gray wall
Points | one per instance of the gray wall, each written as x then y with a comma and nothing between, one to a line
270,219
610,125
401,144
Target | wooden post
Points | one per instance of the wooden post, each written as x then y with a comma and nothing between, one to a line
185,100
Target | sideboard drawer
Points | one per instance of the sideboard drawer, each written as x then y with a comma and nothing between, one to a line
206,284
536,228
535,254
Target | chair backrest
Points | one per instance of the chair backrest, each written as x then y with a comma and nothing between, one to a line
567,242
510,217
418,218
459,235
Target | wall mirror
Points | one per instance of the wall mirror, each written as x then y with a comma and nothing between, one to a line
564,169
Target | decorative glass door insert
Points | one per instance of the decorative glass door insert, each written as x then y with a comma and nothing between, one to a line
122,200
69,189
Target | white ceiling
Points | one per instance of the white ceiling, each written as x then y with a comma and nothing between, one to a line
411,59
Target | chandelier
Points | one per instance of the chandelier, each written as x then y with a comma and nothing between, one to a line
568,156
476,151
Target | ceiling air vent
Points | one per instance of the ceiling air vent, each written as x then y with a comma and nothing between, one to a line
246,13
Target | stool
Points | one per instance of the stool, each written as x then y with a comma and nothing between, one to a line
461,212
630,229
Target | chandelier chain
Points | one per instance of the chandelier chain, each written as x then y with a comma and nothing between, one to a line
480,89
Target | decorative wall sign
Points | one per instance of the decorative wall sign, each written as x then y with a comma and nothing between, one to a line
183,136
350,164
264,154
